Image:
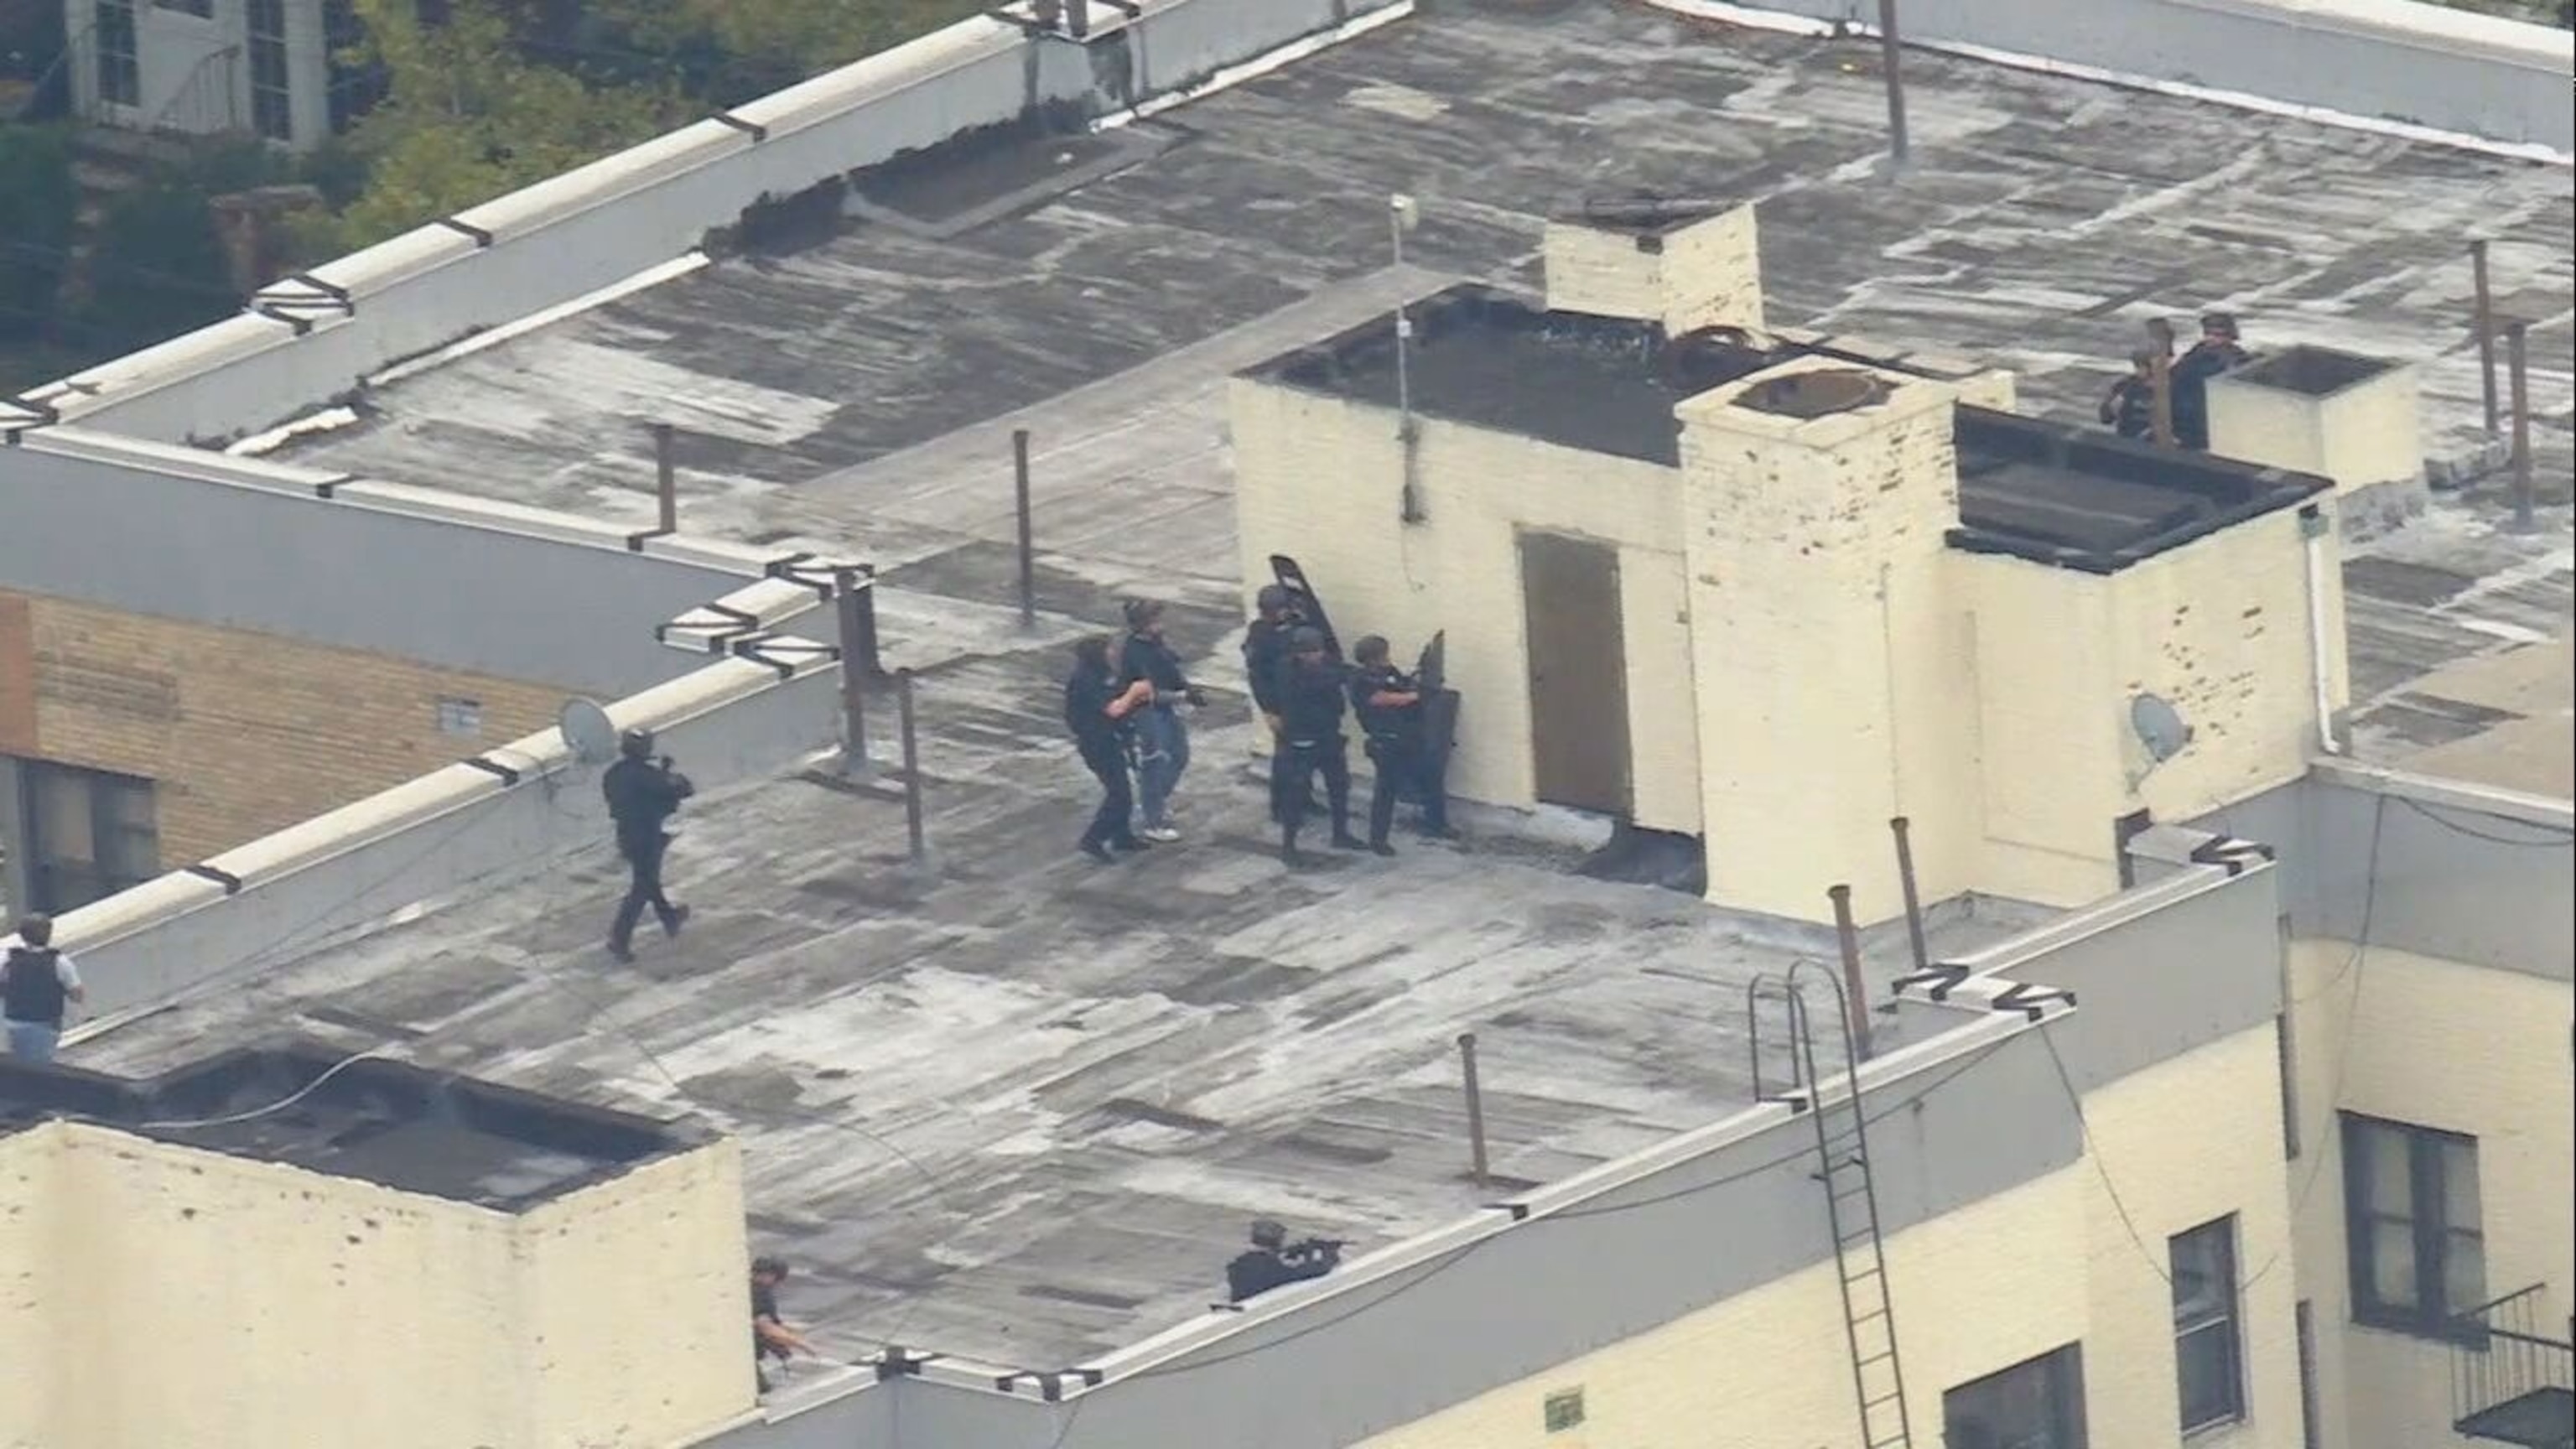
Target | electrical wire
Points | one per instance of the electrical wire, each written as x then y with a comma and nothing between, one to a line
372,1054
2550,839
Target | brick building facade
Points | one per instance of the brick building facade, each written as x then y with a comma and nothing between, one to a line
130,744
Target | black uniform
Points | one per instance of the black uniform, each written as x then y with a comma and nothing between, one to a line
642,794
1265,646
1310,740
1399,748
1103,741
1261,1269
2130,410
2191,375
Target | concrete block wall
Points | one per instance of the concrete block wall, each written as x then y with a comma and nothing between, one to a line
574,234
1705,274
242,733
1320,479
2048,733
2367,435
192,1297
1826,654
2432,1043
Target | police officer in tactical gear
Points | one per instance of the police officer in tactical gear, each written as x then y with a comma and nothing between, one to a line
1265,648
2217,352
1274,1262
1102,717
1388,704
2129,409
642,792
1310,690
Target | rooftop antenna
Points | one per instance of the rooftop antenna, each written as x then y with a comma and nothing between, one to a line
587,731
1401,217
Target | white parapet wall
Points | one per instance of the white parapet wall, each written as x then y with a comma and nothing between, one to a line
2387,61
579,232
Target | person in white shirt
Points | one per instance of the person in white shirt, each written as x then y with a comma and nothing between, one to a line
38,984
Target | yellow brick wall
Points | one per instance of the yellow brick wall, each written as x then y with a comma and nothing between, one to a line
2437,1044
198,1299
1828,663
242,733
1708,274
2000,1281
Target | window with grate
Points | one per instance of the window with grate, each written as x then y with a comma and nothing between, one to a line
90,834
120,75
1563,1410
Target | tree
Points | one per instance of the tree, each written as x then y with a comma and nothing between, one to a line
156,268
741,49
467,117
39,207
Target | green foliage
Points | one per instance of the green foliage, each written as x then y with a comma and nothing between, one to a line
39,207
733,51
467,117
156,268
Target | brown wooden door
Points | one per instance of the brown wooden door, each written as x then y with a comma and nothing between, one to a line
1578,672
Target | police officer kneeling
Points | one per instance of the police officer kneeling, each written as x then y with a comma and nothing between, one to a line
1274,1262
1388,704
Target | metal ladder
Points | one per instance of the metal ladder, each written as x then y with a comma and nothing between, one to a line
1851,1196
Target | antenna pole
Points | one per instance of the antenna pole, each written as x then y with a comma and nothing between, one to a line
856,649
1398,214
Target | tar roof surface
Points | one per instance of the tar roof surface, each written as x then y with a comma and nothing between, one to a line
2042,220
1021,1108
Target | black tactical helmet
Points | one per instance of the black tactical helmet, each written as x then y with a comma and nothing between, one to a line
1273,598
635,744
1267,1233
1307,640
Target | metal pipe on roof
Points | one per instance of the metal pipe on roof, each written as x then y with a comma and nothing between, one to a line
1903,830
920,848
854,706
666,479
1890,62
2485,325
1855,992
1475,1109
2518,363
2160,336
1028,545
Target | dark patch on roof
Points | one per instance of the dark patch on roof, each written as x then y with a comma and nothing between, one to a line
385,1122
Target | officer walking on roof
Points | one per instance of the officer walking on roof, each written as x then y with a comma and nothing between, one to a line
642,792
1310,689
2217,352
1265,648
1274,1262
1388,704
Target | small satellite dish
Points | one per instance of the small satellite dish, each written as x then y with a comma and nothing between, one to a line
587,731
2159,727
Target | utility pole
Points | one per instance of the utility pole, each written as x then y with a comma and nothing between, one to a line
2486,332
1891,63
2518,364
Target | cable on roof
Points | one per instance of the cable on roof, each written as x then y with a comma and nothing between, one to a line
2550,838
372,1054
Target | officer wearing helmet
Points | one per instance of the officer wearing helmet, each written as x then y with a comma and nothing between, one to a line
1265,644
1312,697
2220,351
1274,1262
642,792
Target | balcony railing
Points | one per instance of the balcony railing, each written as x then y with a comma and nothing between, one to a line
2511,1382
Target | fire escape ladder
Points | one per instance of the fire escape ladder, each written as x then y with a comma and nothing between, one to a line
1851,1195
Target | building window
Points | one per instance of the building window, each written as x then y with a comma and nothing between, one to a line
2412,1219
2034,1405
460,717
202,9
89,835
271,109
2207,1363
1563,1410
120,76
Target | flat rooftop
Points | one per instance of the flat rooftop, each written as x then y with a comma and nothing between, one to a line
1100,290
2046,489
1022,1107
380,1121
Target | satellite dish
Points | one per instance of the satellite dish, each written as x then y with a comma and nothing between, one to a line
587,731
2159,727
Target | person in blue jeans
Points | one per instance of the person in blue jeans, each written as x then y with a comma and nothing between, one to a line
1162,736
37,986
